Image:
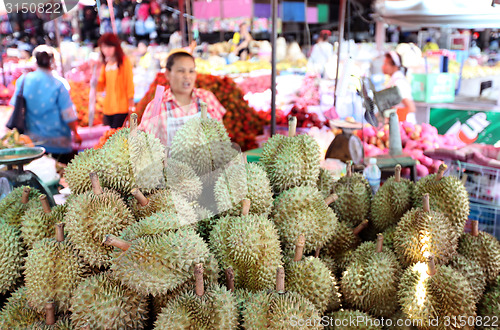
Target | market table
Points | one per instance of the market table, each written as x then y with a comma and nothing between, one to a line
253,156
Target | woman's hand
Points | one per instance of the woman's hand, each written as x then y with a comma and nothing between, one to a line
77,138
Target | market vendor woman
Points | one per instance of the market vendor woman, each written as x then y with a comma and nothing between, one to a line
181,101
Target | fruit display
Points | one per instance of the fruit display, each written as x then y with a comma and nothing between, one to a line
304,117
12,139
245,249
79,94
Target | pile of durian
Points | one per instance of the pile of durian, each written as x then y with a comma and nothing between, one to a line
195,238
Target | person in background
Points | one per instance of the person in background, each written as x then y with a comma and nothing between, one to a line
145,59
50,116
321,52
393,67
116,79
181,101
242,39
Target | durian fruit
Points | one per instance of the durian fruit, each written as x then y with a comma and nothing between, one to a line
16,313
38,222
241,181
132,159
78,170
250,245
371,280
392,200
352,320
206,221
484,249
51,323
389,236
354,197
490,304
422,232
160,256
276,310
11,257
181,179
325,182
52,272
13,206
101,302
93,215
433,292
214,308
161,200
302,210
447,195
312,279
473,272
291,161
203,144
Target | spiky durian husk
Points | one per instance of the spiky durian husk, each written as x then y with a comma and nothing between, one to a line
125,163
78,170
447,196
63,323
354,197
11,257
371,280
312,279
203,144
163,200
473,272
52,272
90,218
389,237
182,179
362,252
291,161
157,264
330,263
325,182
240,181
163,222
490,302
216,309
264,310
420,233
17,314
302,210
103,303
484,249
206,221
11,208
37,225
445,294
352,320
250,245
343,239
391,202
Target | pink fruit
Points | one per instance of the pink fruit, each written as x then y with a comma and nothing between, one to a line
422,170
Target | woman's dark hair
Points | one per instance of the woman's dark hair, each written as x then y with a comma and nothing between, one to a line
110,39
44,59
171,59
391,61
324,36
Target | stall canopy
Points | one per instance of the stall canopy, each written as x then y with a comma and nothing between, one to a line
465,14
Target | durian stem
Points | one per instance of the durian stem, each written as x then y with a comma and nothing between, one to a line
133,123
280,280
397,173
203,110
143,201
292,126
245,206
45,204
245,158
50,315
440,172
464,179
117,242
330,199
230,279
380,243
360,227
26,195
425,203
198,275
475,228
349,169
431,265
60,232
316,253
96,186
299,247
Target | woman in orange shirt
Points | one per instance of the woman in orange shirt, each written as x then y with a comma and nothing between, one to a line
116,79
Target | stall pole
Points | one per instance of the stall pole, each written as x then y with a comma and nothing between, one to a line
221,32
341,37
58,41
273,65
189,15
182,22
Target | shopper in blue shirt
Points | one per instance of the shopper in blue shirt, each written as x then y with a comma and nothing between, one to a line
50,115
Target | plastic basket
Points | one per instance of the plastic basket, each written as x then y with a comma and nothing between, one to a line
488,217
483,183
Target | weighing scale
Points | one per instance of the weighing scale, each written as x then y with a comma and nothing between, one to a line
346,146
15,159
